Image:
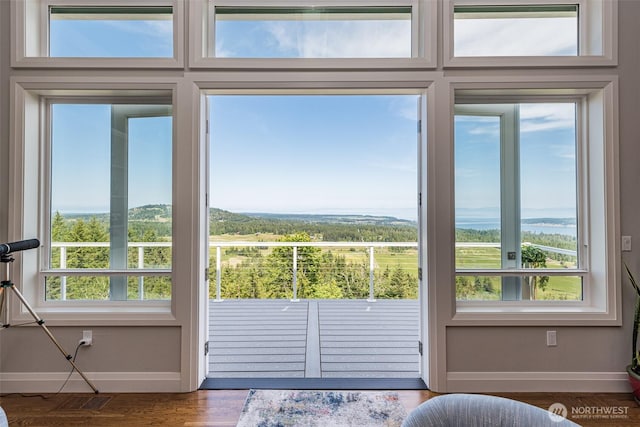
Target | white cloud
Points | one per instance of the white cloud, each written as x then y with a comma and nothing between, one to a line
533,118
160,31
222,51
547,116
160,28
405,107
348,39
515,37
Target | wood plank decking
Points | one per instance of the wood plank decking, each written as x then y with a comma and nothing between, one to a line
313,339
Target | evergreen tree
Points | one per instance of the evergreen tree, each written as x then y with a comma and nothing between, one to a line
533,257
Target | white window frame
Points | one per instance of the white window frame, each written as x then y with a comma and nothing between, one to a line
597,44
30,26
424,37
598,192
30,211
510,209
121,112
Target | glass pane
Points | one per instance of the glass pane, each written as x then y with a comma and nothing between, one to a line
542,288
96,288
107,32
548,182
111,192
546,30
149,191
477,187
313,32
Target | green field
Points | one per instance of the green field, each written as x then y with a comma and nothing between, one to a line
406,260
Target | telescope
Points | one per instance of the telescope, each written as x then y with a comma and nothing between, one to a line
22,245
7,284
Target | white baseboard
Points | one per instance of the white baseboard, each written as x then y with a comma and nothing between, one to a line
588,382
108,382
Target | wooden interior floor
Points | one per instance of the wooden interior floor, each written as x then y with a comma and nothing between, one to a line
222,408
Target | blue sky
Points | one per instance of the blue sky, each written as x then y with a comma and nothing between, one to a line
547,162
81,149
311,154
321,154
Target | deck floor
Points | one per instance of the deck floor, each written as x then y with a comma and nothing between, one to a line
313,339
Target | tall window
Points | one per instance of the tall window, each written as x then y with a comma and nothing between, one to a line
109,202
516,202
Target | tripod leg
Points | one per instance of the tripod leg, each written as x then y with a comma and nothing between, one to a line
3,309
40,322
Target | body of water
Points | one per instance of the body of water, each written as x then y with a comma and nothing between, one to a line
538,227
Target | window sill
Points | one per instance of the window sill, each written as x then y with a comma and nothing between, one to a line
133,313
118,63
527,314
530,61
312,63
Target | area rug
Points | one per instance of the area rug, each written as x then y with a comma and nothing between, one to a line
283,408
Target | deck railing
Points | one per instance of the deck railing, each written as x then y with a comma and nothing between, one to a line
370,246
294,261
63,246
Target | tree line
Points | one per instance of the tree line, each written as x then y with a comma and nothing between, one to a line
320,275
96,229
255,273
328,232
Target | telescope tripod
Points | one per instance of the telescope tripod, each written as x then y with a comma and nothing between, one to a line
8,284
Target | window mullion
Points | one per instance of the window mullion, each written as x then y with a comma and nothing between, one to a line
119,206
510,200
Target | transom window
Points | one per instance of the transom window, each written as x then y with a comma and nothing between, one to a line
107,32
512,30
313,31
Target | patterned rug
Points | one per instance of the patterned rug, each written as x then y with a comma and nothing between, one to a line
283,408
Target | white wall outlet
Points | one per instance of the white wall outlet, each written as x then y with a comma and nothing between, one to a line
87,338
551,339
626,243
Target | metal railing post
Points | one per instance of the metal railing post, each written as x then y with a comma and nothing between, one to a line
371,268
63,279
218,274
141,278
295,275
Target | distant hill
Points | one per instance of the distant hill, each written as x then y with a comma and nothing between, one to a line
337,228
164,212
560,222
321,227
335,219
160,213
219,215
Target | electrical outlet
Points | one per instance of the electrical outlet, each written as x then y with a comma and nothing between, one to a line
87,338
551,339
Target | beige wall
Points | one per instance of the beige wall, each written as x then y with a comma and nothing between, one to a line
524,349
115,349
469,349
